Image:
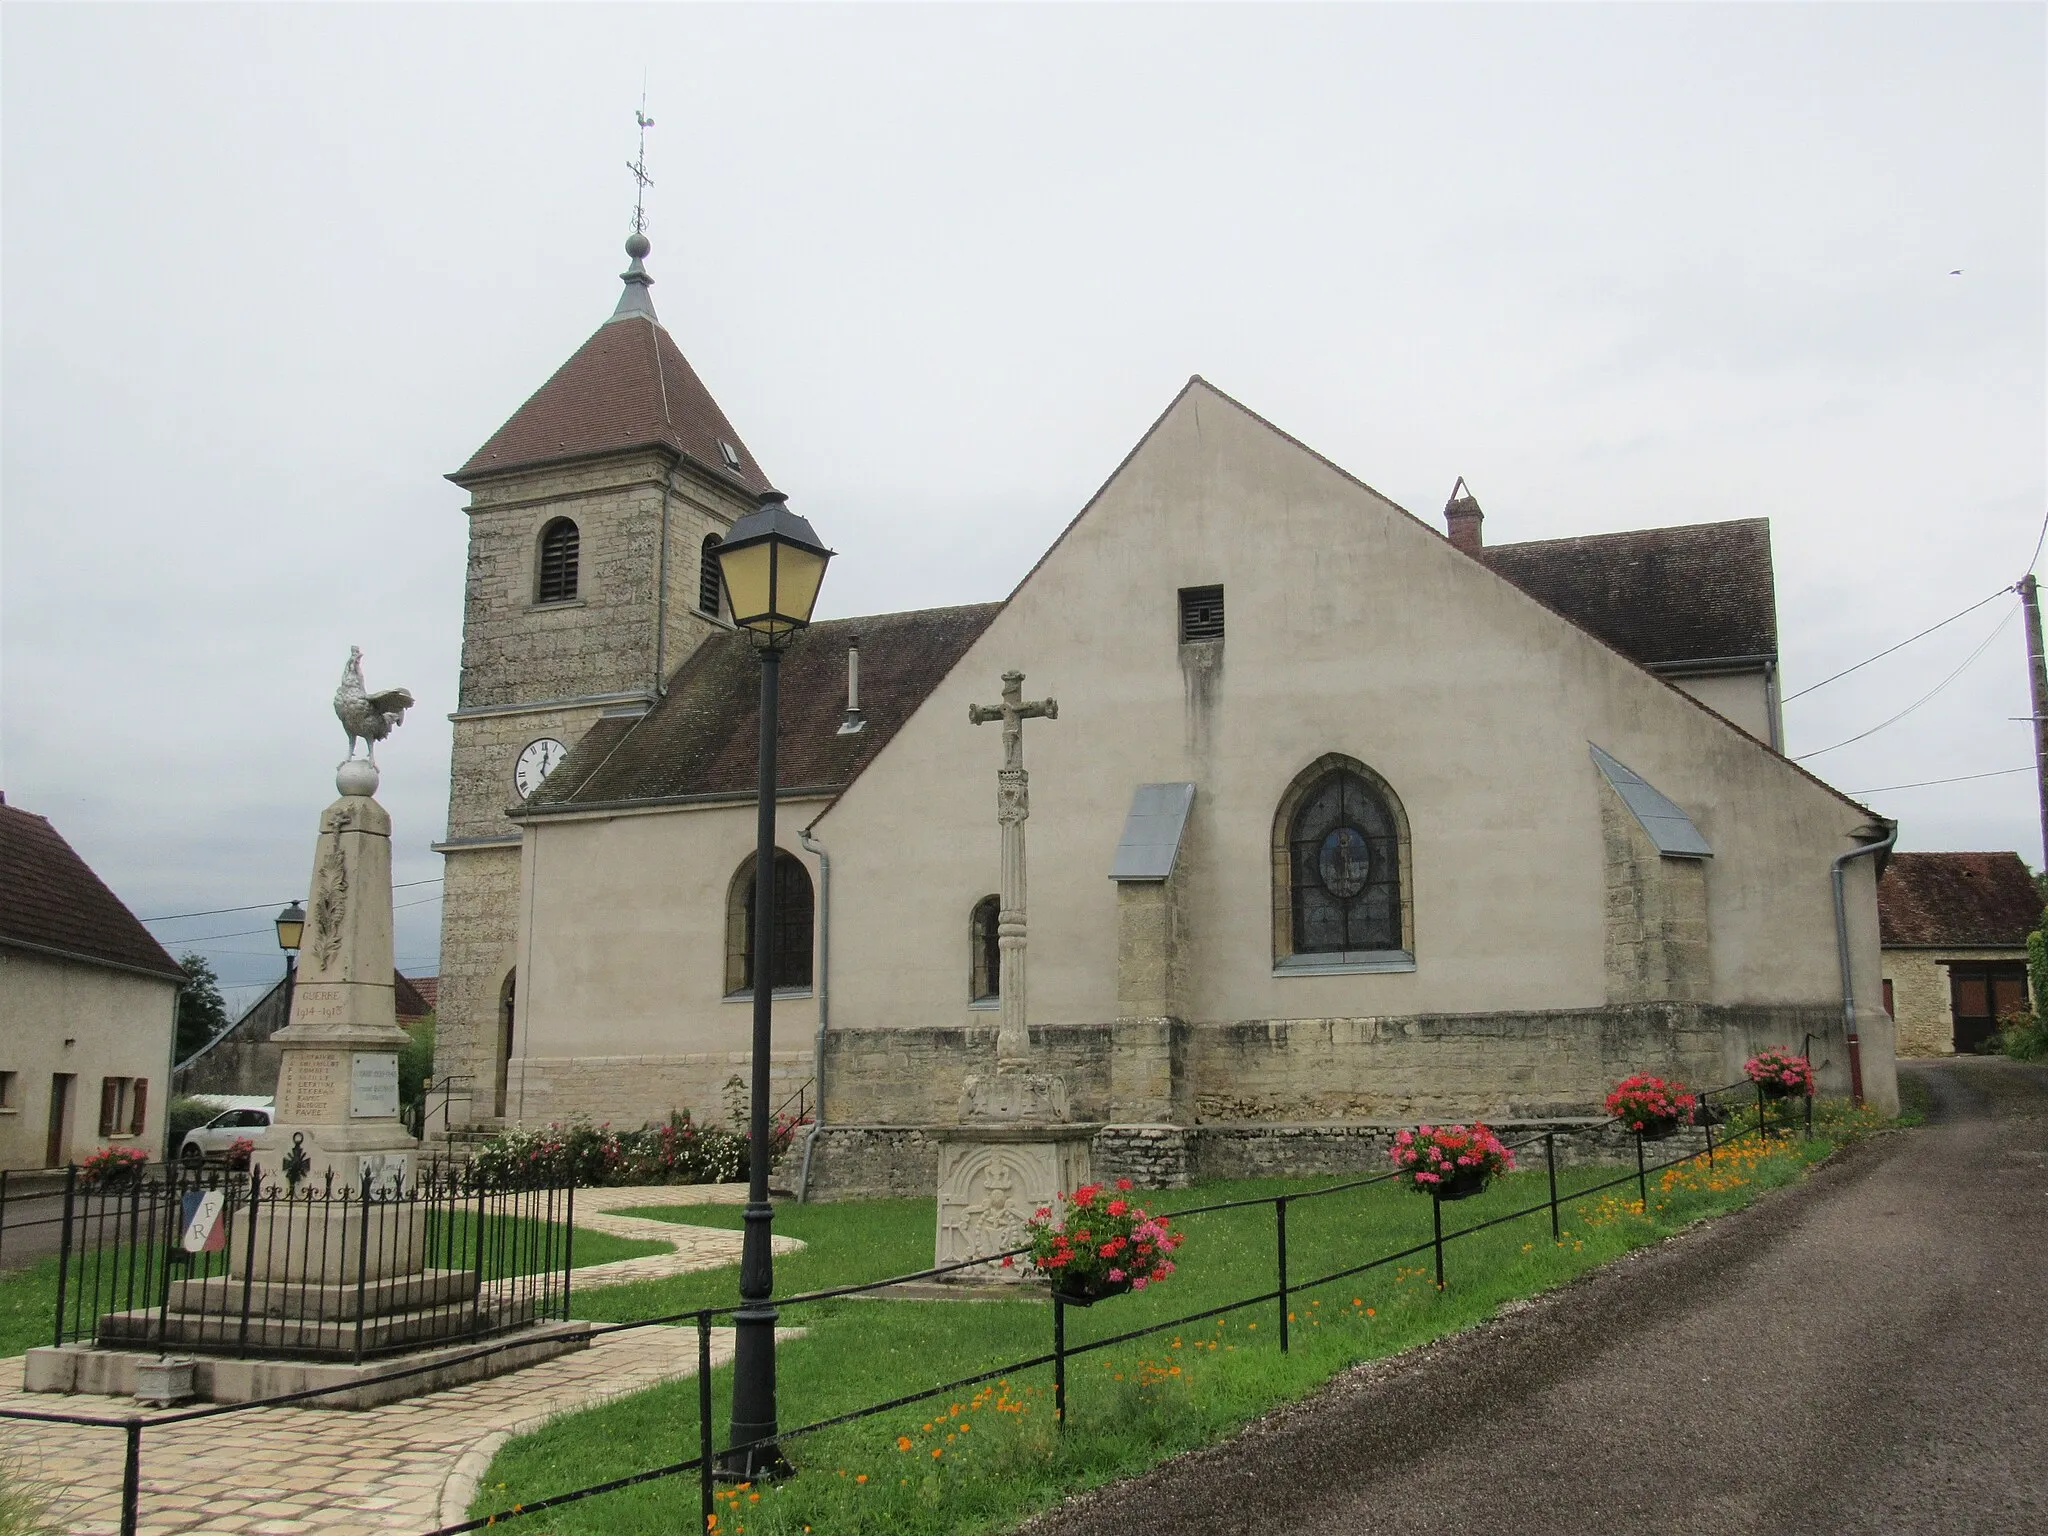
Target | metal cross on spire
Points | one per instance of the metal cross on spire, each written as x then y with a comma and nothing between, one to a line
642,181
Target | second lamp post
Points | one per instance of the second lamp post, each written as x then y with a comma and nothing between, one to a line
773,564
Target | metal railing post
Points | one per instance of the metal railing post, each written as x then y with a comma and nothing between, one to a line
1550,1164
1642,1178
1436,1217
1059,1361
362,1263
64,1246
1809,1116
704,1448
131,1479
568,1248
3,1211
249,1253
1763,1132
1280,1239
1707,1120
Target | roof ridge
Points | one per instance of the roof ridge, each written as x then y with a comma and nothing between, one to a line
1623,533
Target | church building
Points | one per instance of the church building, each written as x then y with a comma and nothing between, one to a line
1345,820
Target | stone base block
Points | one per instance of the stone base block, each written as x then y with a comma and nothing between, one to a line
114,1372
225,1296
199,1332
992,1177
1150,1156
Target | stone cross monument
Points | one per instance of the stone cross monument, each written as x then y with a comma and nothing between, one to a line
1015,1149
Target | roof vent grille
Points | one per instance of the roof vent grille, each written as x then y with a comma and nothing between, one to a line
1201,613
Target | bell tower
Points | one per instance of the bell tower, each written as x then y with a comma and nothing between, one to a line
591,515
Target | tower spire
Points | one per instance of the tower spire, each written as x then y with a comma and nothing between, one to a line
636,301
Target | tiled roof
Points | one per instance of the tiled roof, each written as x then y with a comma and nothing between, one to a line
702,736
50,899
629,386
406,1001
1658,595
428,988
1963,900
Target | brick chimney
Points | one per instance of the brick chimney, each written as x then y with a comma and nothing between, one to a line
1462,518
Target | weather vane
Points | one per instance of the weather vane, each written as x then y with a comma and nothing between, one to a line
638,167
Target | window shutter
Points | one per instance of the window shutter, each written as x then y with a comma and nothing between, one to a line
110,1099
141,1106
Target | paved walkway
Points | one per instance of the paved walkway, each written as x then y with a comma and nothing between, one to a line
1861,1353
405,1467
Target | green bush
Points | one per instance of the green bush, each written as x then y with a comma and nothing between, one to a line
2023,1037
25,1504
415,1063
674,1152
184,1114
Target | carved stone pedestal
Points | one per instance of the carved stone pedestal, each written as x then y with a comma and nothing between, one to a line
992,1177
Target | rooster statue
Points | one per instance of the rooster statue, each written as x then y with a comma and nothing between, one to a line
367,717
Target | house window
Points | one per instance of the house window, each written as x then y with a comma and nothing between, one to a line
985,955
710,579
558,560
1340,852
7,1090
124,1105
1980,995
1201,613
789,947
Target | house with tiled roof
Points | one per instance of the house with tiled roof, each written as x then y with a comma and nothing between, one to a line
1954,928
1425,827
89,1002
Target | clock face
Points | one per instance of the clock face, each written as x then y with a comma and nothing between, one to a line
540,759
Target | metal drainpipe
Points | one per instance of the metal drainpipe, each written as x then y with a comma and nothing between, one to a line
817,850
1882,845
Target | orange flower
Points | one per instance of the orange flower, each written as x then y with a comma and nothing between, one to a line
903,1442
858,1477
937,1453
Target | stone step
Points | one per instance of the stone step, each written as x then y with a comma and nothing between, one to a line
225,1296
330,1339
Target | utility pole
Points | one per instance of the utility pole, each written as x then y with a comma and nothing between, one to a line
2037,684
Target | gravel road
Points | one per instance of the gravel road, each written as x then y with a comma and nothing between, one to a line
1866,1352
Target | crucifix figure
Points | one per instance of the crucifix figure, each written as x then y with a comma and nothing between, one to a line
1013,805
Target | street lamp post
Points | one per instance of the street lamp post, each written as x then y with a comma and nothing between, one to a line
772,563
291,929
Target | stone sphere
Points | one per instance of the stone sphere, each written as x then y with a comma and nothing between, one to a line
357,776
638,245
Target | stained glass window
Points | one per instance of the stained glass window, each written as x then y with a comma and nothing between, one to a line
1344,869
790,944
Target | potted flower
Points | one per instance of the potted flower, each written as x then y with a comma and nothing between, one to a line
113,1168
1650,1106
1780,1073
240,1150
1105,1245
1449,1162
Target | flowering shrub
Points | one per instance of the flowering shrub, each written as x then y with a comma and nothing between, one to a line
1105,1237
1779,1072
240,1150
112,1166
678,1151
1432,1157
1644,1102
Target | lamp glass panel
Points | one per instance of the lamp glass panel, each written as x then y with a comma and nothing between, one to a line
290,933
747,575
798,576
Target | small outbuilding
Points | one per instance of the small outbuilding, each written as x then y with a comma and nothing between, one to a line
89,1002
1954,932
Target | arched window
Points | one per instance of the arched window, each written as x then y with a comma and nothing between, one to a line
1340,856
710,579
984,955
789,947
558,551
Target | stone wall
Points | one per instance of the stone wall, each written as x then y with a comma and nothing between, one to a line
479,924
631,1091
1397,1071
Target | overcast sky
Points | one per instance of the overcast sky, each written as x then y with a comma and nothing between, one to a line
270,272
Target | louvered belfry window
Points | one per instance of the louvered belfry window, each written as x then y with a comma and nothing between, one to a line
1201,613
558,550
710,579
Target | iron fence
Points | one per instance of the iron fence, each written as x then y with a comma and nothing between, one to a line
706,1463
216,1262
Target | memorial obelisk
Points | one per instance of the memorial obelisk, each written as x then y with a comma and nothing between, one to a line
337,1085
1016,1148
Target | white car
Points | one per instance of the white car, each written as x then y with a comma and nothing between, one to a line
214,1138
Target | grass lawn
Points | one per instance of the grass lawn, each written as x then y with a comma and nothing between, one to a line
987,1457
28,1296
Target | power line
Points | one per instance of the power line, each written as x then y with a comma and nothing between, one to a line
243,933
1958,779
1895,719
1866,661
259,906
